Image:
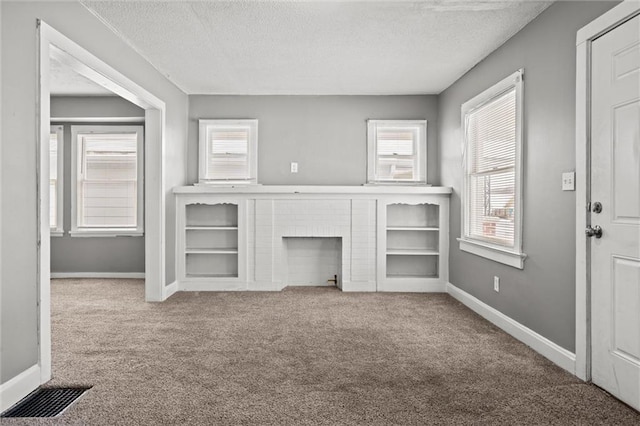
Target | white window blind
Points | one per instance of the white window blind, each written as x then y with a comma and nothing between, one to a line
492,185
53,180
228,150
108,179
491,143
396,151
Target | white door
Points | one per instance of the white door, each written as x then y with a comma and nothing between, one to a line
615,183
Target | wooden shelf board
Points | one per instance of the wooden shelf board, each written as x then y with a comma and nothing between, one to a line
211,251
411,252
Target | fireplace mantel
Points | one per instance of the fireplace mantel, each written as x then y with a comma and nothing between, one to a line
394,238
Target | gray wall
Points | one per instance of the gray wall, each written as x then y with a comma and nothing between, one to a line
92,254
18,198
542,296
325,135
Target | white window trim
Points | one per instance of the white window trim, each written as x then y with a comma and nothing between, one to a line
509,256
372,151
252,153
106,232
58,230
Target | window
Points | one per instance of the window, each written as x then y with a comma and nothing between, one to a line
228,151
56,187
492,187
397,151
107,179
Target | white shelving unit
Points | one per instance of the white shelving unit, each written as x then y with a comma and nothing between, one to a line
410,234
392,238
209,241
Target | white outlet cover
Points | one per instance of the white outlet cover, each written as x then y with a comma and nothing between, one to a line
294,167
569,181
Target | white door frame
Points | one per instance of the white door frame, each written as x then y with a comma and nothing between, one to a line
53,44
586,35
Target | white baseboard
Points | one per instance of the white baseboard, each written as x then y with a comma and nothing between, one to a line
555,353
412,285
359,286
131,275
262,286
169,290
212,286
19,387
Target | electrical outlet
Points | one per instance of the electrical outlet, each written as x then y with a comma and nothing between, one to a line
569,181
496,284
294,167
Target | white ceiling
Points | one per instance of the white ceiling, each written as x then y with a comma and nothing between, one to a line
315,47
63,81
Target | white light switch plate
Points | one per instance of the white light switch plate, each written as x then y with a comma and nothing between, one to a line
294,167
569,181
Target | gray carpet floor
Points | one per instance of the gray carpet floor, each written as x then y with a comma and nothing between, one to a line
303,356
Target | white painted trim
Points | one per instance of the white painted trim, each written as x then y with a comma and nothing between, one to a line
609,20
59,229
128,275
612,18
52,43
139,120
314,189
372,151
212,286
169,290
20,386
358,286
204,125
499,254
555,353
493,253
77,133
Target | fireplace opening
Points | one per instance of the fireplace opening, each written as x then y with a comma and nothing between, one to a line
313,261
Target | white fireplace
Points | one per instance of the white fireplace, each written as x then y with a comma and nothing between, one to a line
257,237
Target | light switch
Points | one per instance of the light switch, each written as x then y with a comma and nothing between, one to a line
569,181
294,167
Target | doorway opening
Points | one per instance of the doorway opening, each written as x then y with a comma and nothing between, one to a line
52,44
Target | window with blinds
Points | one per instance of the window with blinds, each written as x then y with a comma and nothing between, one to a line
108,178
56,141
492,190
228,151
397,151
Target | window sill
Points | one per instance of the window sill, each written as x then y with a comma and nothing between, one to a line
510,258
56,233
106,233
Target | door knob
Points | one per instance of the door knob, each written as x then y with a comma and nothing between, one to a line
595,231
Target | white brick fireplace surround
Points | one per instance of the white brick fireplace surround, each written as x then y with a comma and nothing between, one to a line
235,238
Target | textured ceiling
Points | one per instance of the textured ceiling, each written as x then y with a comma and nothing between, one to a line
321,47
63,81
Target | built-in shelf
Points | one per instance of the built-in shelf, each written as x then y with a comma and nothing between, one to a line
412,243
209,241
411,252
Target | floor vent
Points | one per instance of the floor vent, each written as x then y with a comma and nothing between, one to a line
45,402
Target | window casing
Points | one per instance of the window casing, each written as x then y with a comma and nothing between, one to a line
107,180
228,151
56,184
492,164
397,152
